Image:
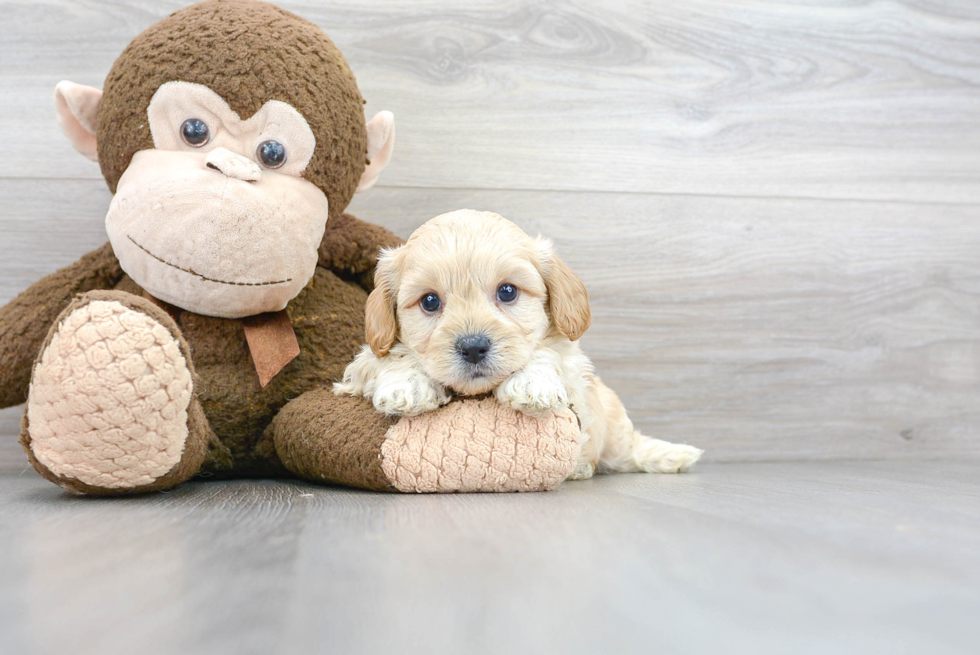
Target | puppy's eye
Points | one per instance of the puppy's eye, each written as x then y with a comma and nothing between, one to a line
507,293
195,132
430,302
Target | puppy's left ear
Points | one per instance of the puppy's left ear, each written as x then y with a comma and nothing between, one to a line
380,322
568,300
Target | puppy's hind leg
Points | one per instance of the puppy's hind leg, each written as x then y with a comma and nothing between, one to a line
625,450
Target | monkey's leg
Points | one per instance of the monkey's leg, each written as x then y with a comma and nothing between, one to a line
468,445
27,318
111,407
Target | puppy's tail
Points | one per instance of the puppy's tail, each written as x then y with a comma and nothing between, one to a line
627,451
647,455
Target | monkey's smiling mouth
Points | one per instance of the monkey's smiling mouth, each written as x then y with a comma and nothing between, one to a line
204,277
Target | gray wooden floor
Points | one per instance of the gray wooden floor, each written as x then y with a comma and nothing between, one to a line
776,208
802,557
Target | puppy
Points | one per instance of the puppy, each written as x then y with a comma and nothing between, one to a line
471,304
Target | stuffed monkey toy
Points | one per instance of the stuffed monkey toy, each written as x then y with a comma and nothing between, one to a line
203,338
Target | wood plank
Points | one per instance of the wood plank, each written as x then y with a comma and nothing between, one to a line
803,557
12,457
755,328
818,99
45,225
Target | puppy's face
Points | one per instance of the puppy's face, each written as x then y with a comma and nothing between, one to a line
473,296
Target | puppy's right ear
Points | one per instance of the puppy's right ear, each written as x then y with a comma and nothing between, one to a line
380,323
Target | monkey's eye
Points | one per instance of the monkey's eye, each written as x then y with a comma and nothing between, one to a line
272,154
430,302
507,293
194,132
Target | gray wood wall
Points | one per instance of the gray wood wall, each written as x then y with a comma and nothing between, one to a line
775,205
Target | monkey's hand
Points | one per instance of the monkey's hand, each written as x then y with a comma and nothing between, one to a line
350,248
25,320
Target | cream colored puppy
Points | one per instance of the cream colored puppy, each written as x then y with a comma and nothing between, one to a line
471,304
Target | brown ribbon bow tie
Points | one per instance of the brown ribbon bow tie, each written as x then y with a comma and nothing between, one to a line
270,336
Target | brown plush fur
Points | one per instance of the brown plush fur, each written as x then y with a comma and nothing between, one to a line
328,318
353,440
350,248
248,53
328,323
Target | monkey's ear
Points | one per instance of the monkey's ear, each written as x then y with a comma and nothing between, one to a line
381,142
568,300
78,115
380,322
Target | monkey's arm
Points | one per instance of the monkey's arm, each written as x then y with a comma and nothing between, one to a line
350,248
25,320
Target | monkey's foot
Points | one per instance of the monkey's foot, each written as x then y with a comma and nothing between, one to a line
111,404
467,445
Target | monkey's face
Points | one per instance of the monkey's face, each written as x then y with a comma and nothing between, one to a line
216,219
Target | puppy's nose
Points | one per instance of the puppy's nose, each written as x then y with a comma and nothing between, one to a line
473,347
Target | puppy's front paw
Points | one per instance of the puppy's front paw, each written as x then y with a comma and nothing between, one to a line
409,397
346,388
533,391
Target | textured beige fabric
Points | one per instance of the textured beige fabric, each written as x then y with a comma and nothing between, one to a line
381,143
205,228
210,243
175,102
109,397
480,445
77,109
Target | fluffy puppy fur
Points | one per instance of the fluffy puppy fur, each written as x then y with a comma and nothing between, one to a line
470,305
